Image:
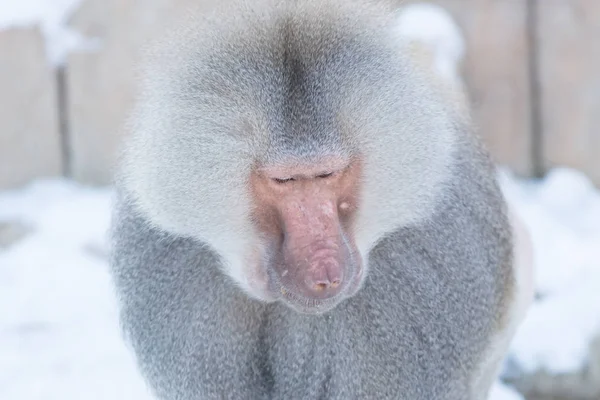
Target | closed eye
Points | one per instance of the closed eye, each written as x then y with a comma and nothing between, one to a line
327,175
278,180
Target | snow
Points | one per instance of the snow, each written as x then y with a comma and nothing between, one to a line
563,215
503,392
52,18
59,336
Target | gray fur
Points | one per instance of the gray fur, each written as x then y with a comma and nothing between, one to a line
299,79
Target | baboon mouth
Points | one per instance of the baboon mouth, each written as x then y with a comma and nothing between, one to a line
310,306
315,306
290,288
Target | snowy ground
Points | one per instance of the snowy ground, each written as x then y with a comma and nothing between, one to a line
58,334
58,327
563,215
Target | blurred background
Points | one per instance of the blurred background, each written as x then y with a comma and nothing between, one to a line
67,67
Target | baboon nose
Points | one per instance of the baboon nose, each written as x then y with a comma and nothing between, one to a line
325,281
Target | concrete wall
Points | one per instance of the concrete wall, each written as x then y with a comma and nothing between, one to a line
30,141
568,61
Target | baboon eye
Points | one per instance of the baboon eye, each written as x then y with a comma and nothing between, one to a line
327,175
278,180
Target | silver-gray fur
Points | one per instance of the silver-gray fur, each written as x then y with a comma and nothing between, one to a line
272,80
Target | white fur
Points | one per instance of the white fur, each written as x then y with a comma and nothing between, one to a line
521,298
184,157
